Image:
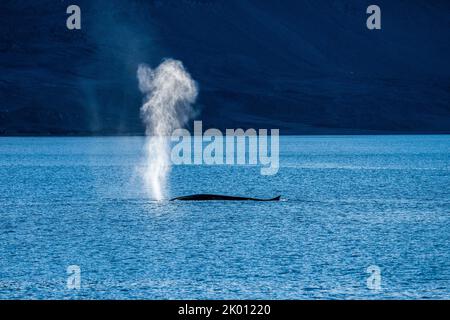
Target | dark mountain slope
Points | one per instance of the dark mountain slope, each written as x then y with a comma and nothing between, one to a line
301,66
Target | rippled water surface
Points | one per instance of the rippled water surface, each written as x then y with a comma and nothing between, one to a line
348,202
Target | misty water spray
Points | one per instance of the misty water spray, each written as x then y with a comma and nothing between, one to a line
168,104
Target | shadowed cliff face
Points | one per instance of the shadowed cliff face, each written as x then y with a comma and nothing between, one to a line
301,66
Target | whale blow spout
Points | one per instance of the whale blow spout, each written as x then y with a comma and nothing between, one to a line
209,197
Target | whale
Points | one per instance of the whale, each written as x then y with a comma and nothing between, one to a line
218,197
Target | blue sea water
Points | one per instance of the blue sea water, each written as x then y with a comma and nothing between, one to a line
349,202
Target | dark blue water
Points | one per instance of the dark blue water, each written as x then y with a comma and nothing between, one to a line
349,202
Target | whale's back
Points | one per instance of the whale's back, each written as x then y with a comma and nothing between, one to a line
218,197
